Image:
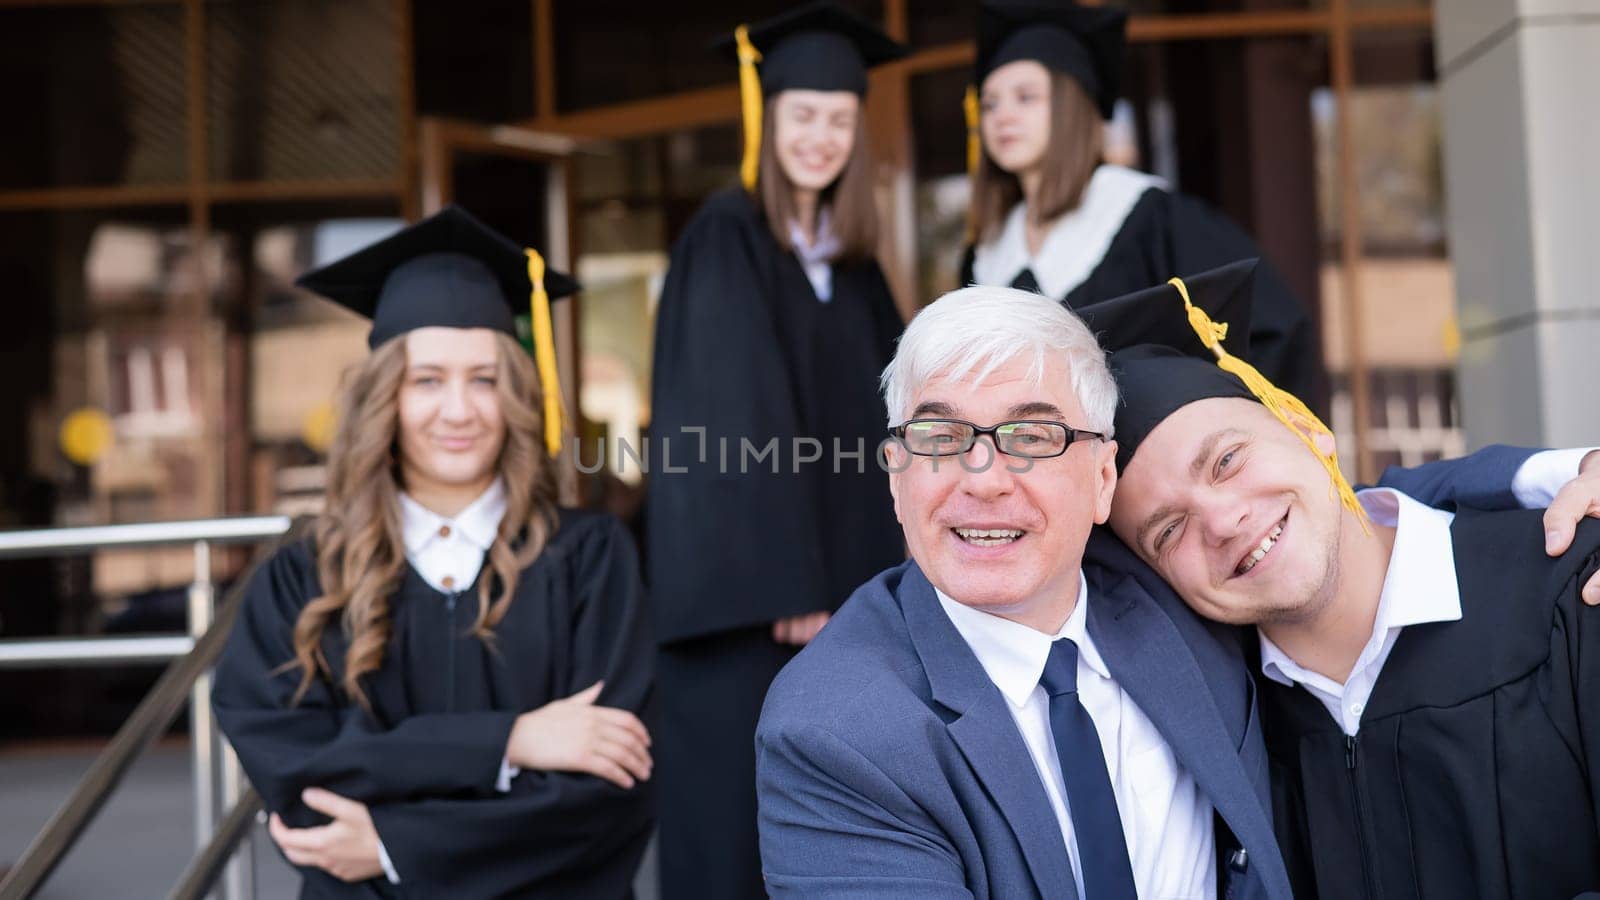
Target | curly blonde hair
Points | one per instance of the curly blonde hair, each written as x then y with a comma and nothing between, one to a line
361,556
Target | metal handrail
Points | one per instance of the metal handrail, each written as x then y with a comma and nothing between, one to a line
208,865
187,677
148,722
67,541
56,652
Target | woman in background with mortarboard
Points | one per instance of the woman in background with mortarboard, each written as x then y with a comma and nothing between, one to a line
437,693
774,324
1049,216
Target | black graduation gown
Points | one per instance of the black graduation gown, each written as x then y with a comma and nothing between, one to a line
1167,234
745,350
426,760
1476,771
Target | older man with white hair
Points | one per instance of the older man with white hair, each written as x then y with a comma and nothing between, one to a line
1002,716
903,753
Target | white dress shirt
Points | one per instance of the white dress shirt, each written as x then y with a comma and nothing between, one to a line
1420,587
817,258
1166,820
1543,474
448,553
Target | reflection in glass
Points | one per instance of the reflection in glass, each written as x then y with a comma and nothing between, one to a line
1407,286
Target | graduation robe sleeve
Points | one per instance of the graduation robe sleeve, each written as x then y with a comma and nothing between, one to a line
327,740
1579,625
554,834
719,366
1480,480
886,315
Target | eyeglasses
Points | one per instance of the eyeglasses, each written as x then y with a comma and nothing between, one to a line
1027,438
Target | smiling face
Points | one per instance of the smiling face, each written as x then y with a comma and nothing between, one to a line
1015,116
451,427
1234,512
1001,534
813,135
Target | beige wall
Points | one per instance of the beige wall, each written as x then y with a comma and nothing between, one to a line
1521,87
1408,314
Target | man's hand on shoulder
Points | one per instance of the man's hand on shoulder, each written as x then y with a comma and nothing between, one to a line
1580,497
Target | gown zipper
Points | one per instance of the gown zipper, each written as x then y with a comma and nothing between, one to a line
450,650
1352,744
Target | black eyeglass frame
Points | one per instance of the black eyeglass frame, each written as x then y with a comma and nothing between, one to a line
1074,435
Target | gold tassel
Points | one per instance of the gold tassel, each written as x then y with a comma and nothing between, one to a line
1278,401
969,106
750,103
544,354
969,109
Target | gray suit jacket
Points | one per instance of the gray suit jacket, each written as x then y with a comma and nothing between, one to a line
889,766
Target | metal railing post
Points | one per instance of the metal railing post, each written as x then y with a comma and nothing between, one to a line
238,879
202,735
216,774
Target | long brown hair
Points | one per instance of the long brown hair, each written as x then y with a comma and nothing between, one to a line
853,209
361,555
1070,158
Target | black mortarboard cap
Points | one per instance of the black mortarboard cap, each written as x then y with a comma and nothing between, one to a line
452,271
448,270
820,46
1157,358
1085,42
1188,340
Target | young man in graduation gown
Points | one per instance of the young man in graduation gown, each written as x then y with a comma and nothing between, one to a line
766,505
1051,216
1430,682
1019,711
437,693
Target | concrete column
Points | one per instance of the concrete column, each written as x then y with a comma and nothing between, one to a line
1520,81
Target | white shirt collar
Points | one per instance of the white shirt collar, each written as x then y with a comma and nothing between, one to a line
479,523
1076,242
1013,654
816,259
1419,588
826,244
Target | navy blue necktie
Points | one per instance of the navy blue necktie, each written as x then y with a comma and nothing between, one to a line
1026,282
1102,851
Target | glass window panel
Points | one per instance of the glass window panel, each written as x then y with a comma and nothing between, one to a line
936,22
121,330
289,95
1405,280
635,198
613,51
94,96
477,66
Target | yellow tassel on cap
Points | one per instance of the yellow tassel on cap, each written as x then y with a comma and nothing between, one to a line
544,354
969,108
750,103
1278,401
969,105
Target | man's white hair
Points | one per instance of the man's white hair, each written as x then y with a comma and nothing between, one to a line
973,331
